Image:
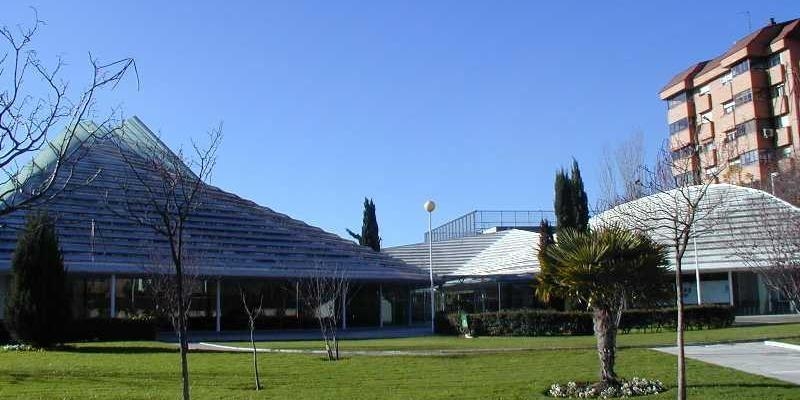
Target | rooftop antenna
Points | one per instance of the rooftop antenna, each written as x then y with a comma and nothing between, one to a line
749,23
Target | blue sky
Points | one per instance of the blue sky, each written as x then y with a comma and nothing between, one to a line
472,104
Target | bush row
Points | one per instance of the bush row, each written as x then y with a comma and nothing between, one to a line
96,329
550,323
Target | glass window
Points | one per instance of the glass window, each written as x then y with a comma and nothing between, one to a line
781,122
774,60
726,79
676,100
743,97
705,118
705,89
750,157
740,68
678,125
777,90
727,107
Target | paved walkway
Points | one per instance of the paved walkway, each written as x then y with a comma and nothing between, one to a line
755,358
431,353
301,334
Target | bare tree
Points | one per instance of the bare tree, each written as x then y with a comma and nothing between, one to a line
677,209
325,293
770,245
621,172
162,284
35,101
253,312
162,191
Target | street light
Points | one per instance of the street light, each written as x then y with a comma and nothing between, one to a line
772,176
429,207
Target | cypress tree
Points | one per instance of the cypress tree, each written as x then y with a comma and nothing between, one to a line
563,202
579,199
369,236
37,310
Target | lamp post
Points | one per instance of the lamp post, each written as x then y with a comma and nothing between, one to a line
772,176
429,207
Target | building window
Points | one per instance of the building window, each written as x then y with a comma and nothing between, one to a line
726,79
781,122
750,157
705,89
682,153
678,126
740,68
774,60
786,152
676,100
727,107
705,118
743,97
686,178
777,90
740,130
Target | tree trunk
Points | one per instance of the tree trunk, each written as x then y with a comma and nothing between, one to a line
255,354
184,345
681,356
184,341
605,330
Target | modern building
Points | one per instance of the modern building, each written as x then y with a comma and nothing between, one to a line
485,260
734,118
733,224
230,242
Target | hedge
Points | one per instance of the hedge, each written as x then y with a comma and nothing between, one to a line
550,323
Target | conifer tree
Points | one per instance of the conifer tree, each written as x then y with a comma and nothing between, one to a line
369,228
563,202
579,199
37,310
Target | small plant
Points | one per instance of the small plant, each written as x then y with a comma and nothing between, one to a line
19,348
625,388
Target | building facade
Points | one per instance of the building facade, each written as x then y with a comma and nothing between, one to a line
734,118
231,243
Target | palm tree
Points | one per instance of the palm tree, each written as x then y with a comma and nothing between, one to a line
606,269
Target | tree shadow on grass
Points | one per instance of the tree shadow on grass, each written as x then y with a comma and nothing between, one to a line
119,349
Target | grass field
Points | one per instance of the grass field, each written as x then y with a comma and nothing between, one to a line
150,370
632,340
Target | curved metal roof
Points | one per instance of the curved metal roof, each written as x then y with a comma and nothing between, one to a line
503,253
227,236
731,220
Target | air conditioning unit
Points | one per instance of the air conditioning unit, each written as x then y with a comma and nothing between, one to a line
768,133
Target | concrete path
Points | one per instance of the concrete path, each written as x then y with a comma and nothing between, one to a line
766,319
383,353
755,358
301,334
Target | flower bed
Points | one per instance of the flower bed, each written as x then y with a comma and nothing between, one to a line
626,388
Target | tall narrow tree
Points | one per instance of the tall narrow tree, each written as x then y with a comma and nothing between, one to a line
38,307
563,201
369,228
580,201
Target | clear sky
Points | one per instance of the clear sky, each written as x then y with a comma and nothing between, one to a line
473,104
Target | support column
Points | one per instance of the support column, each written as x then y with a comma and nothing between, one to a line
380,305
411,307
498,297
219,305
699,290
730,286
112,309
344,310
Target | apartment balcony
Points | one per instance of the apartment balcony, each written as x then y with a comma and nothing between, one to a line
702,103
679,112
777,74
783,136
780,104
708,158
705,131
680,139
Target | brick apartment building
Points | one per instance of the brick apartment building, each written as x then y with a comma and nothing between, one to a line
734,118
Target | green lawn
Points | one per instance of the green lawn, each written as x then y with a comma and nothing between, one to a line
632,340
151,371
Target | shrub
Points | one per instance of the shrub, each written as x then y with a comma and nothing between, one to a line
549,323
625,388
38,306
